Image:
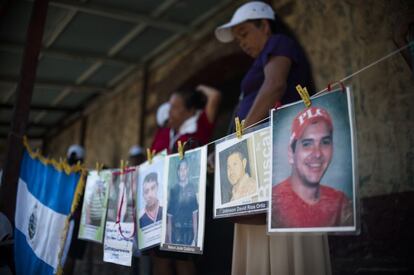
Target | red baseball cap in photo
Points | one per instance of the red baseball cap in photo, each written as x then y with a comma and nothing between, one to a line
306,117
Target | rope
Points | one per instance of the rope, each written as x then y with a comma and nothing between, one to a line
326,89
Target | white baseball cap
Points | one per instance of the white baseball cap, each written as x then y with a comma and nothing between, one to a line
248,11
77,150
163,113
135,151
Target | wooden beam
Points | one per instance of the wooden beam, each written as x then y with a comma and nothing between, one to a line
30,124
68,120
43,108
52,84
71,55
143,104
198,29
83,129
4,124
169,48
121,15
4,7
14,151
31,137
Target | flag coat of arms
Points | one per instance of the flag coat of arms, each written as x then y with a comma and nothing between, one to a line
43,206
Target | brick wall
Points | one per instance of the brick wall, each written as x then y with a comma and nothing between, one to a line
57,146
340,38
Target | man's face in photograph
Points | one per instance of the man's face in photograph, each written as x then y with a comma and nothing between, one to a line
150,192
235,168
183,171
312,154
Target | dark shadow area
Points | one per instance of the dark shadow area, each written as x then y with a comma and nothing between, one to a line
385,243
226,75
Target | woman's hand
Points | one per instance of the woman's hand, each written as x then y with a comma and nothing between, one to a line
213,100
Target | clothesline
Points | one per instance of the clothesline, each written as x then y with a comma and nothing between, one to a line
340,81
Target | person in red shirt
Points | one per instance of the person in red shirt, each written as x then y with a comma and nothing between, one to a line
301,200
191,116
191,119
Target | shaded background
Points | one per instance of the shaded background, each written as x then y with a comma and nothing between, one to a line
340,38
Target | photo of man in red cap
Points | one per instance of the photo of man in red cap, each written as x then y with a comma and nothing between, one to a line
301,200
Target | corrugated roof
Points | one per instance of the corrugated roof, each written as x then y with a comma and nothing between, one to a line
88,48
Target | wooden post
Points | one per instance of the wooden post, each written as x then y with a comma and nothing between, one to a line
411,48
142,125
21,110
83,129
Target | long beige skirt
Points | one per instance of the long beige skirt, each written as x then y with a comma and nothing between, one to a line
256,253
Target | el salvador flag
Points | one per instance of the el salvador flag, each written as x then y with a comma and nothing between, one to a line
44,200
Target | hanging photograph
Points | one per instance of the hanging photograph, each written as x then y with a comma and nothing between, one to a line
149,198
94,206
242,173
314,168
119,228
185,191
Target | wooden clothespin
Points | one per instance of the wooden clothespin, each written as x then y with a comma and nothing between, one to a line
303,92
150,155
239,127
122,166
64,165
411,43
181,149
60,164
79,165
98,167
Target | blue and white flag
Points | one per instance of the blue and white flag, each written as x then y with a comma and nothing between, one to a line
43,205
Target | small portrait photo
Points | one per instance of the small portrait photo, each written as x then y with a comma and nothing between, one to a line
94,205
150,195
149,198
183,219
120,223
238,176
113,198
313,160
121,196
240,181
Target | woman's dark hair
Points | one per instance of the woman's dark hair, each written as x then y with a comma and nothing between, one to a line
192,98
277,26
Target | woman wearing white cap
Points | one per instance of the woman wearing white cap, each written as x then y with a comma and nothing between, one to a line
279,65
